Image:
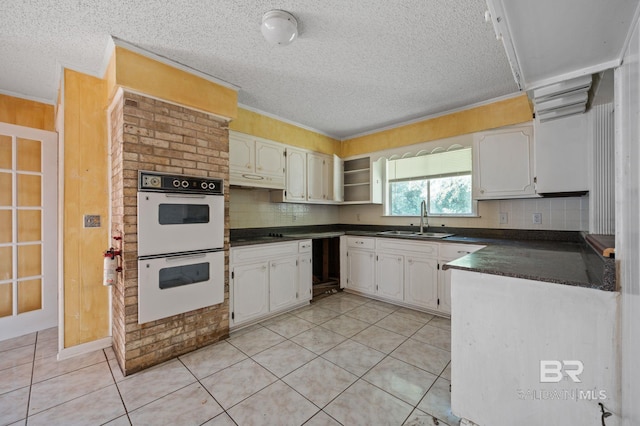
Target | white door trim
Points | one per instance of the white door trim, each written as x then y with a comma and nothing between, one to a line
47,316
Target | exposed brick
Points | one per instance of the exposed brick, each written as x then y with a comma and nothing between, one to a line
184,147
184,141
168,136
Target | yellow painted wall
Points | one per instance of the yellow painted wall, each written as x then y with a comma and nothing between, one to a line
86,300
262,126
498,114
153,78
23,112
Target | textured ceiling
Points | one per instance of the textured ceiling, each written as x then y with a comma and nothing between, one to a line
356,66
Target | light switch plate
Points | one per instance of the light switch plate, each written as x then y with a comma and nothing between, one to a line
537,218
504,218
92,221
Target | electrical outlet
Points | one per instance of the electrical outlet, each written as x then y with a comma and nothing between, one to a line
504,218
358,217
91,221
537,218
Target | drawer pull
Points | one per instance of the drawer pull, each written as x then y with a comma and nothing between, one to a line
464,252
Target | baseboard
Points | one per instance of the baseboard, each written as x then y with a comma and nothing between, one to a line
84,348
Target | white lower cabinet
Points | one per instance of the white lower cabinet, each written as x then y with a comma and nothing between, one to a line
421,281
250,291
268,279
360,270
390,276
449,253
305,277
283,282
397,270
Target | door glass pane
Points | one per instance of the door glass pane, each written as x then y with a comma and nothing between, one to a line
29,156
29,190
179,214
29,260
6,262
183,275
5,152
29,295
5,226
6,190
29,226
6,300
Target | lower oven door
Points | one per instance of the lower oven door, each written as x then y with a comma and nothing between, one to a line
173,223
173,285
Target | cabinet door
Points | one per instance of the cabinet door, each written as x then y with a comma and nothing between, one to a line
390,276
315,171
305,277
444,291
242,153
421,282
338,179
250,291
327,178
360,270
503,163
296,175
561,158
270,158
283,282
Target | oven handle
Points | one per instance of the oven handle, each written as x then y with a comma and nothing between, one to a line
170,195
178,258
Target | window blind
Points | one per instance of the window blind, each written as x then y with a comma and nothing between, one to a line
440,164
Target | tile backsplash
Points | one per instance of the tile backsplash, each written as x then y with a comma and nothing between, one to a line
559,214
252,208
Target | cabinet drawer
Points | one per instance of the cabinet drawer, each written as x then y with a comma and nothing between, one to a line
361,243
305,246
262,251
422,248
454,251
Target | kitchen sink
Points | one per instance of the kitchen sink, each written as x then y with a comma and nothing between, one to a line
432,235
397,233
416,234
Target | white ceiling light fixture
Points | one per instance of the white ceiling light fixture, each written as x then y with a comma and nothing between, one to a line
279,27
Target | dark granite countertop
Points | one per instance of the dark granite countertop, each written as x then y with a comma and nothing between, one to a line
550,256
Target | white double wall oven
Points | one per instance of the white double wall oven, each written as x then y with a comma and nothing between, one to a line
180,244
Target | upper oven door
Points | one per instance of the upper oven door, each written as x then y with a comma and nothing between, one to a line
172,223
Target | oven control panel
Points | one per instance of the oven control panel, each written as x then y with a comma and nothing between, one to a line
155,181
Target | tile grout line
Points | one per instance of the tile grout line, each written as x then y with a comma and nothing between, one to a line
126,411
224,410
33,366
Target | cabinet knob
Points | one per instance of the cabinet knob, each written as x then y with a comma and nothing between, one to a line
264,268
410,261
259,168
399,259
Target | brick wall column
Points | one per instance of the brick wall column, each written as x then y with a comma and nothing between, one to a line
149,134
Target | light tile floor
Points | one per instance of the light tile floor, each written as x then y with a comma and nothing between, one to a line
344,360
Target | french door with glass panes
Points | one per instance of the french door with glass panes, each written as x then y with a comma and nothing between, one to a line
28,230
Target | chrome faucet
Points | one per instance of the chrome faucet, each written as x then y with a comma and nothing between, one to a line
424,215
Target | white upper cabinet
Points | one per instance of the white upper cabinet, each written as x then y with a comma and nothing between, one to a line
296,175
242,153
270,158
319,177
503,163
561,150
256,162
